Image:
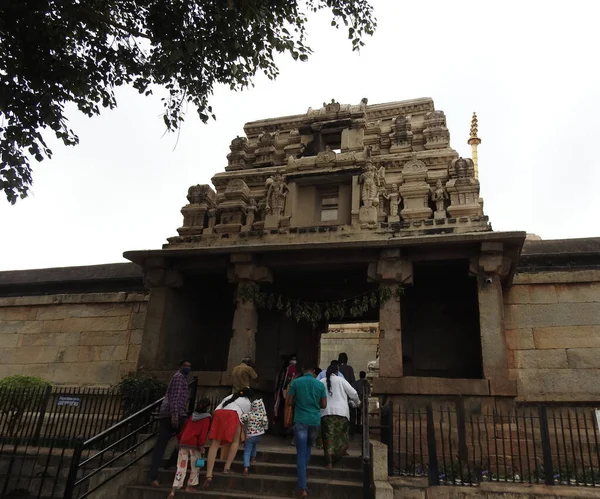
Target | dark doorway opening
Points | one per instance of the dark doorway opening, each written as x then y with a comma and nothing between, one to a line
440,322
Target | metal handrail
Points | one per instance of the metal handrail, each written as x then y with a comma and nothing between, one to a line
366,444
77,463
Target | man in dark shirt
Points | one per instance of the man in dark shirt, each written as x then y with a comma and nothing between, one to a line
345,369
243,375
171,417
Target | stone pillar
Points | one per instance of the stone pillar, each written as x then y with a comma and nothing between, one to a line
245,272
390,271
355,201
493,265
161,282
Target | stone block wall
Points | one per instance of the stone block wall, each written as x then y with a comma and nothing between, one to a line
552,327
89,339
359,341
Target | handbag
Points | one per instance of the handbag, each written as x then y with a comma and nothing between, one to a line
200,462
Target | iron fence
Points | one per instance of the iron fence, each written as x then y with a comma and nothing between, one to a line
453,446
39,429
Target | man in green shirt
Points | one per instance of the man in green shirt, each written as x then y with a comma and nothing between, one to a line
308,396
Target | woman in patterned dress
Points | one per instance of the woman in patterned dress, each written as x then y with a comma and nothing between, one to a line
335,418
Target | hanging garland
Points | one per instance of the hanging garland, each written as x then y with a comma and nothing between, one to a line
314,312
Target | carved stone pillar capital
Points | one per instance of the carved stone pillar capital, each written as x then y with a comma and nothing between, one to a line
391,268
245,268
162,277
492,260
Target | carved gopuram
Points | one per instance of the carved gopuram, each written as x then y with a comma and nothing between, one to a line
345,213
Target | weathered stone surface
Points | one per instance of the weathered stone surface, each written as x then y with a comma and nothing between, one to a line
133,353
25,355
120,297
534,293
9,340
573,276
75,325
135,337
137,320
552,315
11,327
558,384
50,339
519,339
584,358
103,338
567,337
541,359
579,292
89,373
493,343
17,313
430,386
92,353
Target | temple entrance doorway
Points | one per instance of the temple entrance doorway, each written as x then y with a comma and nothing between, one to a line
358,340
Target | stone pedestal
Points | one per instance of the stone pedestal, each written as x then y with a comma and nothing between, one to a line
393,218
272,221
368,214
439,215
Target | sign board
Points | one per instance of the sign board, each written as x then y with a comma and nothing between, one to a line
68,401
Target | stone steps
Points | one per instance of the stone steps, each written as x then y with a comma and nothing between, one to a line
259,486
147,492
279,469
273,476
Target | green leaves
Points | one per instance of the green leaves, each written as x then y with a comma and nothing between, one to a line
77,52
315,312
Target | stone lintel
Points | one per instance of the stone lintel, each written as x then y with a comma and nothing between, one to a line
249,272
410,385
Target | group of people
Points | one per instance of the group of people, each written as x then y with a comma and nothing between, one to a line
314,404
240,416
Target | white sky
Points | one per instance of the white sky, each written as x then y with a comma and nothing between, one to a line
529,69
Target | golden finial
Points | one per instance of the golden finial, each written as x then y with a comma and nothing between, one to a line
474,141
473,137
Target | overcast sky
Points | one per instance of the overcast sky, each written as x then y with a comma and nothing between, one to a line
529,69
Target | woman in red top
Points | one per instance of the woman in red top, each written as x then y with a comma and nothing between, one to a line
191,446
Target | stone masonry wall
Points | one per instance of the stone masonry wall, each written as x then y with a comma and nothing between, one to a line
552,323
87,339
359,341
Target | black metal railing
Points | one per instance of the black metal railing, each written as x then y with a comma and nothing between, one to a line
454,445
366,445
38,430
101,458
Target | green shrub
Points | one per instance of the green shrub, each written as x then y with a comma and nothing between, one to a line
19,394
139,390
23,382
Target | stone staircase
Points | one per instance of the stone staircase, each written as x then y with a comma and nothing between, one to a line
273,477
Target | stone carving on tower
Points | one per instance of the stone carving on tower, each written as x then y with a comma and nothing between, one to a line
415,191
201,199
436,133
463,189
439,196
277,191
337,171
401,136
234,207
